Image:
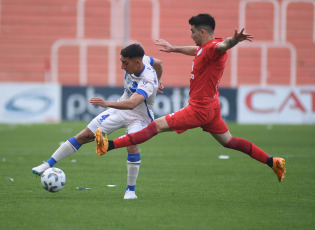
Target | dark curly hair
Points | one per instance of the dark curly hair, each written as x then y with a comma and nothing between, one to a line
132,51
203,21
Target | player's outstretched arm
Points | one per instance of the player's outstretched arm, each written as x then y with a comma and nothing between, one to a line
230,42
168,48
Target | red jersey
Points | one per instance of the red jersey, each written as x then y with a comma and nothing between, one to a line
206,74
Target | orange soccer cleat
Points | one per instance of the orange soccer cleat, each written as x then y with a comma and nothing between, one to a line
101,142
278,167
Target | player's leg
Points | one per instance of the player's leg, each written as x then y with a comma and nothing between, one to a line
72,145
133,166
220,132
245,146
179,122
135,123
68,148
155,127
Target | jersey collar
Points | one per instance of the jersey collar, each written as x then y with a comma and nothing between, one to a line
140,72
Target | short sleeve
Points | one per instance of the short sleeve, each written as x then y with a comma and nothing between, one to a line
213,52
147,59
145,87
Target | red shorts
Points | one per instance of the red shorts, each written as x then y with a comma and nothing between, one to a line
189,118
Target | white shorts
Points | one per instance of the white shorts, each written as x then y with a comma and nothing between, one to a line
113,119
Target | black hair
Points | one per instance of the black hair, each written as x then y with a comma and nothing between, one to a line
132,51
204,21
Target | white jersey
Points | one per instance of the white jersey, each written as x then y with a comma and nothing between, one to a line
134,120
146,84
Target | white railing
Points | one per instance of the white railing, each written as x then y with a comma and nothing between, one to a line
119,36
117,22
276,8
284,10
83,44
264,45
0,16
264,57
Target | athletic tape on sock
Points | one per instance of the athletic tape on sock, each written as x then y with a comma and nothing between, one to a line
133,157
75,143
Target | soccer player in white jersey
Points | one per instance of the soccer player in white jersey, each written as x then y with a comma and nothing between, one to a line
133,111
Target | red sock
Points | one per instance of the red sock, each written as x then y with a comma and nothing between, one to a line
138,137
247,147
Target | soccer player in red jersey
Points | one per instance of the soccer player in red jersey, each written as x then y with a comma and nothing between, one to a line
204,106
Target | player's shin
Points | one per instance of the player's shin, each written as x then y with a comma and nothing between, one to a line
66,149
133,166
247,147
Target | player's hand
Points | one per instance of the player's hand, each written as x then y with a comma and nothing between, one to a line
241,36
161,87
166,46
98,101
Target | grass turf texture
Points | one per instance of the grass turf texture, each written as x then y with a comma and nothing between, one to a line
182,183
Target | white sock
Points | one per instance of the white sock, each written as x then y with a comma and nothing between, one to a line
65,150
132,170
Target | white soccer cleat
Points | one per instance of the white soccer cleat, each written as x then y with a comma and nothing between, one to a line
40,168
130,195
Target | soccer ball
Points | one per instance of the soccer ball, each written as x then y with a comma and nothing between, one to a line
53,179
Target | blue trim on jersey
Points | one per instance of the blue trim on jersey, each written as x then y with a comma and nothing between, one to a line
140,72
126,74
142,92
151,60
75,143
149,114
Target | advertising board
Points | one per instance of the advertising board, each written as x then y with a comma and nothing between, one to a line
29,103
75,105
276,104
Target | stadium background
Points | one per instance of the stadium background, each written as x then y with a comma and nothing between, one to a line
184,182
56,54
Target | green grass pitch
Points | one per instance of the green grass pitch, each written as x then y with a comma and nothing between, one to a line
182,183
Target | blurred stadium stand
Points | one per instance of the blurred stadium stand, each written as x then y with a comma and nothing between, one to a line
78,42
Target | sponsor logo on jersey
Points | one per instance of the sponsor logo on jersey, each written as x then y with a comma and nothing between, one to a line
199,52
133,87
